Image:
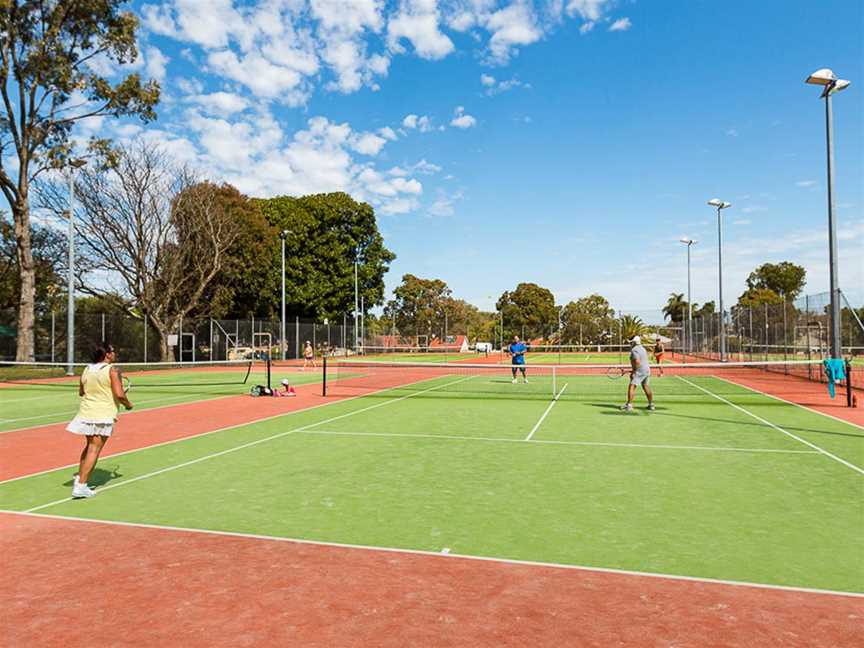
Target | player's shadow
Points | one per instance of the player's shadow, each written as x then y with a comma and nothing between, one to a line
100,476
616,409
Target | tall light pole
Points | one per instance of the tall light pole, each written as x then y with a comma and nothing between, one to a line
283,236
356,301
720,205
70,315
689,346
831,84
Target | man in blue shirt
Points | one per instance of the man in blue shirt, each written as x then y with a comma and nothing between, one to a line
517,351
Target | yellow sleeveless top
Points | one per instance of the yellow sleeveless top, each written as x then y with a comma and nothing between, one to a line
97,404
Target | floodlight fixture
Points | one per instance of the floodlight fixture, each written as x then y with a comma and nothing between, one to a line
719,204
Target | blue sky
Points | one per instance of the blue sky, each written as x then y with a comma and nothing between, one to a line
565,142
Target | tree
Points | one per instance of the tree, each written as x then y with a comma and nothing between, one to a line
47,87
758,297
784,278
417,305
161,236
588,320
49,259
705,310
676,308
631,325
328,233
529,311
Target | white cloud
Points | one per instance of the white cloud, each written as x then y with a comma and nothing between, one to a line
461,119
732,132
262,77
487,80
367,143
417,22
220,103
511,27
388,133
806,183
741,221
752,209
426,168
622,24
419,122
494,87
588,9
444,204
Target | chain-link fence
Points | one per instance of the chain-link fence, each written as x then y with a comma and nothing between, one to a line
190,340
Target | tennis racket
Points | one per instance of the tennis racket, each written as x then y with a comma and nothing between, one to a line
614,373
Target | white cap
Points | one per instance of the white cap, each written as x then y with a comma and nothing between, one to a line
636,339
285,382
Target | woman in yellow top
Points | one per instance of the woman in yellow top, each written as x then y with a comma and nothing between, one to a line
100,389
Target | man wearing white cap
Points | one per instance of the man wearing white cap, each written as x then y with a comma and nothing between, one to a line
640,374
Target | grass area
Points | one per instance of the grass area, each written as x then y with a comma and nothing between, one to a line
696,488
30,402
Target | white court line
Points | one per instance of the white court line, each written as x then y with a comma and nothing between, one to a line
783,400
453,437
777,427
205,392
546,413
438,554
203,434
243,446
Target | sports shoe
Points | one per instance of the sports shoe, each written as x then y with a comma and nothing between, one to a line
80,491
627,408
525,380
651,407
514,381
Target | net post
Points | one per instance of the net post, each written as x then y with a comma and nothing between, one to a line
554,381
324,376
267,360
849,400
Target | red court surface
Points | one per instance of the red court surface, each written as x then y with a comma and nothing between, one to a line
72,583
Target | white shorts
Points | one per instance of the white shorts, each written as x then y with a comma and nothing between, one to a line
640,380
90,428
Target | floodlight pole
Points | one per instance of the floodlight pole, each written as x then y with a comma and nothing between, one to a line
70,315
356,302
720,205
836,351
283,235
689,346
831,84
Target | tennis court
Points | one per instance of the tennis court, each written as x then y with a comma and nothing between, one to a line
729,480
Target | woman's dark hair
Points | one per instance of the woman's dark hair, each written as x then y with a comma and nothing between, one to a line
102,349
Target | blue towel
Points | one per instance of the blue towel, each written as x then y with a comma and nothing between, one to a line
835,371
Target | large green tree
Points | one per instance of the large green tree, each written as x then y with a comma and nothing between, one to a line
588,320
49,258
785,278
529,310
418,305
46,86
328,233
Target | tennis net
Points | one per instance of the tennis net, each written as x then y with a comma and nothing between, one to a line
793,380
141,374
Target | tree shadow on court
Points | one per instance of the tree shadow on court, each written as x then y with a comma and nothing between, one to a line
100,476
756,424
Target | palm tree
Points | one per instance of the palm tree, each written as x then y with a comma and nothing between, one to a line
631,325
676,307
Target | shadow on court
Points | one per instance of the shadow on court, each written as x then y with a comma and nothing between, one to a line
100,476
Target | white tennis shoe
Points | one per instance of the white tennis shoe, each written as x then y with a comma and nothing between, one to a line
80,491
627,408
514,381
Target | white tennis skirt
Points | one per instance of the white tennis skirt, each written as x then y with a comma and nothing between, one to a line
90,428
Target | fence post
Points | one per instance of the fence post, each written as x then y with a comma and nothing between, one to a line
145,337
210,343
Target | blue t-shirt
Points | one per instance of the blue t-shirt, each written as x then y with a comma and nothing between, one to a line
518,350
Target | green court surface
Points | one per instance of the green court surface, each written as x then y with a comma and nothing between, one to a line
27,405
719,482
